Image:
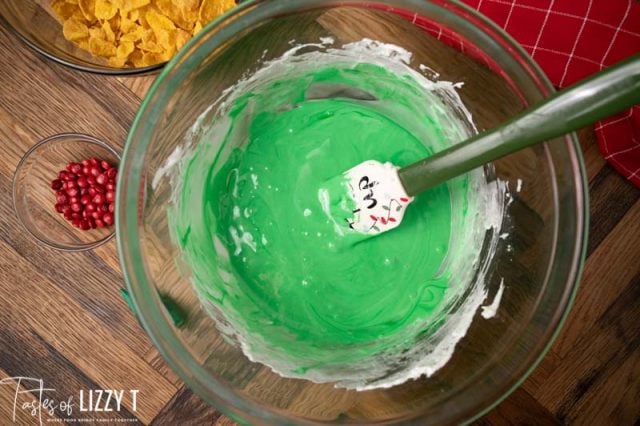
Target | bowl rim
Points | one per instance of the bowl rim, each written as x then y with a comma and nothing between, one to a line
236,406
84,68
60,137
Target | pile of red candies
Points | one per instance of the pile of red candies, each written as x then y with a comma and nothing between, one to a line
85,193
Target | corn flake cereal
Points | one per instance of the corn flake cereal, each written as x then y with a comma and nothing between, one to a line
75,30
125,48
105,10
63,9
101,47
211,9
109,35
135,33
88,7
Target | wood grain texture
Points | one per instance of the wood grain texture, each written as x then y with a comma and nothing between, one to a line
64,321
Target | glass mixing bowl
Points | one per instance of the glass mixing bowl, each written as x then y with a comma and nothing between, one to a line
540,265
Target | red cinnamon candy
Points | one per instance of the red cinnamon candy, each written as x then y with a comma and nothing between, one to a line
85,193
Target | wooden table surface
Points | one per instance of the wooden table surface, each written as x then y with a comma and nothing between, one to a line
63,320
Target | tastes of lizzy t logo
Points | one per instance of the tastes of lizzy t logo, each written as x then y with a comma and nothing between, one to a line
31,396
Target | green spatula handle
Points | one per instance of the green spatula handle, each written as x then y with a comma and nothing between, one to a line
604,94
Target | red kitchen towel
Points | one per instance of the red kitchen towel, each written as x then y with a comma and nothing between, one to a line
571,39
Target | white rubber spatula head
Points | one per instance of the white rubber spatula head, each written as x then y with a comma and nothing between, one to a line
368,198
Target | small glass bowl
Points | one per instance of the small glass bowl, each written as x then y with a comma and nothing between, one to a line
34,199
33,21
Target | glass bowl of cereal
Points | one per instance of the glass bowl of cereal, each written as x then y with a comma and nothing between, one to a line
219,207
113,37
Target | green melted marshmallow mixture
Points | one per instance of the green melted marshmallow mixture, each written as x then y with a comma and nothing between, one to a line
267,261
